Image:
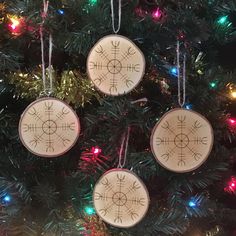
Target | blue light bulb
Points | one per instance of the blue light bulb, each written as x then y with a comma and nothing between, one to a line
174,71
61,11
192,203
7,198
188,106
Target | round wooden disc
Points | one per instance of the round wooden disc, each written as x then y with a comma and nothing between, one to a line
115,65
120,198
49,127
182,140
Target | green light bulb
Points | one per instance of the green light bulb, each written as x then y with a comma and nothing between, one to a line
92,2
222,20
213,84
89,210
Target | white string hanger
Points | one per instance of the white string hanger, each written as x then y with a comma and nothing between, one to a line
181,81
125,142
46,91
113,16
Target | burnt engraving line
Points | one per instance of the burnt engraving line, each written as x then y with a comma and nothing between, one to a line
128,82
128,54
101,78
102,53
36,140
131,212
115,47
167,126
194,128
107,185
64,140
181,124
61,114
133,187
166,156
32,111
196,155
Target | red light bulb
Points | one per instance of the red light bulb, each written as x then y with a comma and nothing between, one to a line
231,185
96,150
157,14
16,24
232,121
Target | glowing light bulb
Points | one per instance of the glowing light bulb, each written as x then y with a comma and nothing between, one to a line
89,210
222,20
189,106
61,11
231,185
7,198
192,203
213,84
96,150
157,14
92,2
232,121
233,94
16,24
174,71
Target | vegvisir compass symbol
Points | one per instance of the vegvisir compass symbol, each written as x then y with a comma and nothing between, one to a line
182,140
49,127
115,65
120,198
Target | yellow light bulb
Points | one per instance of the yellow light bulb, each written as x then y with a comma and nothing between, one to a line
233,94
15,22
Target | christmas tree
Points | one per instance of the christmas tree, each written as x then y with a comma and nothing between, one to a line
175,40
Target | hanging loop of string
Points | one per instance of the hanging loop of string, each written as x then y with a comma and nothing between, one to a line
123,149
47,90
181,81
113,16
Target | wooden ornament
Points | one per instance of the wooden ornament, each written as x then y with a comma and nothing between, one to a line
115,65
49,127
182,140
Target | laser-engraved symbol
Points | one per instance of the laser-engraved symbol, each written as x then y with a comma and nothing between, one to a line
126,80
33,112
61,115
95,65
138,201
182,140
63,139
48,107
100,79
128,53
120,198
115,47
36,140
50,147
49,127
103,54
133,67
132,213
200,140
115,65
67,126
29,127
164,141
